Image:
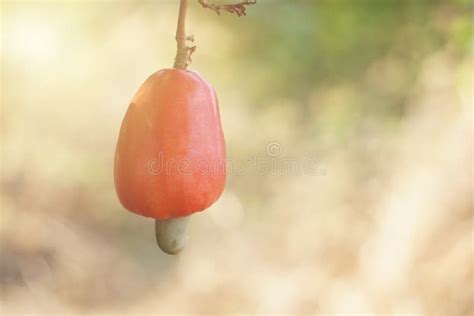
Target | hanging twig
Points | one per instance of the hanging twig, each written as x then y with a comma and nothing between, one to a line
184,52
238,8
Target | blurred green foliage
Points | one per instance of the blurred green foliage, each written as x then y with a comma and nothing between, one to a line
298,44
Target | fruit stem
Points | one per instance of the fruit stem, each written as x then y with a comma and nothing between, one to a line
183,54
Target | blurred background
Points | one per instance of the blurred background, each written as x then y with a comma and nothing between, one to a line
379,93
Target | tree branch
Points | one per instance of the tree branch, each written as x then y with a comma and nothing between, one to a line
238,8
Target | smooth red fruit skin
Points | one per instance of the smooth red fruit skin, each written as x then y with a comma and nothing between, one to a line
170,156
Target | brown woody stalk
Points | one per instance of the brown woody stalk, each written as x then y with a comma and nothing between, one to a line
184,52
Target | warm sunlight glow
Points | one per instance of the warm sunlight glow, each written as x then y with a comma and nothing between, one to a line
33,39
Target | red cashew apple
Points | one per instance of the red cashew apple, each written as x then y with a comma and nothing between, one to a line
170,156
